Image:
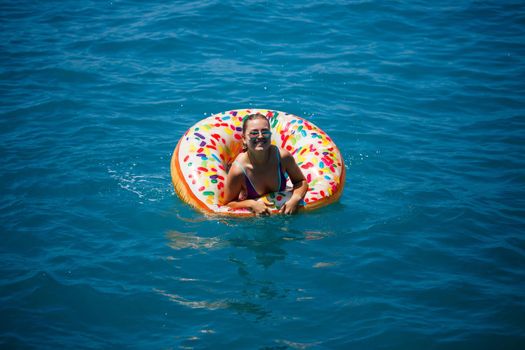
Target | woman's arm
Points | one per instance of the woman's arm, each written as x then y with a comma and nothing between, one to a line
300,186
258,207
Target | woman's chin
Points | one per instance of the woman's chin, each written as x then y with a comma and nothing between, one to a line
261,146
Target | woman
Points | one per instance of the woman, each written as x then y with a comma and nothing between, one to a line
260,170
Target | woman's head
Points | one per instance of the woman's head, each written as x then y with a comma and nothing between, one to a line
251,117
256,132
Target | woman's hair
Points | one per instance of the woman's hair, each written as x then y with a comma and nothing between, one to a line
252,117
245,121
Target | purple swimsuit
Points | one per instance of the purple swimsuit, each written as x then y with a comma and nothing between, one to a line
252,193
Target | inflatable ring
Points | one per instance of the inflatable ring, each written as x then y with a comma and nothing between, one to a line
204,153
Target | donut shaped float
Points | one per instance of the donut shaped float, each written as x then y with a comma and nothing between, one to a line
204,153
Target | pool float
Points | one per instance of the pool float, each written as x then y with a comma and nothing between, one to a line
204,153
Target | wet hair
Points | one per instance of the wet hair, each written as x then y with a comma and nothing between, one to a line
252,117
245,121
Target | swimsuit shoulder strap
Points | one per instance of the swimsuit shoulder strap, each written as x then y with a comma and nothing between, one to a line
245,174
240,166
280,173
279,170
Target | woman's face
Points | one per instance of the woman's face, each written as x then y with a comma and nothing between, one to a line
257,135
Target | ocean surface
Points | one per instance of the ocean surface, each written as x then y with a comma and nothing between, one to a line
424,250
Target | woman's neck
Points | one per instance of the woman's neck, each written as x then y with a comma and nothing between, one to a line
259,158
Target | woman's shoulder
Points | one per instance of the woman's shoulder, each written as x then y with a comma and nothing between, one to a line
284,154
236,167
241,158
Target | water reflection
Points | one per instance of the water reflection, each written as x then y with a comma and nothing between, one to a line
255,248
231,304
190,240
267,247
202,304
264,237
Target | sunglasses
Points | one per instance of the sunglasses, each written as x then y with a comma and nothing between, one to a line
255,134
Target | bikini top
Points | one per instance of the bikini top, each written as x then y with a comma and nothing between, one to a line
252,193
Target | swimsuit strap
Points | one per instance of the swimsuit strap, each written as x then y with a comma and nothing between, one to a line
252,192
245,175
281,174
279,171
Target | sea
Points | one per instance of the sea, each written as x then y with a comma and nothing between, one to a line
425,248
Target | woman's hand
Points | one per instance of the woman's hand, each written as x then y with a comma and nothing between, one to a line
290,207
261,207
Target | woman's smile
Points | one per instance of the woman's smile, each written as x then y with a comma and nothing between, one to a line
260,144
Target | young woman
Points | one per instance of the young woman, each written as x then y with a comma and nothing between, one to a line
260,170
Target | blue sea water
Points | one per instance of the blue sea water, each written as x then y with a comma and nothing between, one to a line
424,250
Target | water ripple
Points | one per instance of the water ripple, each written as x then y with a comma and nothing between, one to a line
423,250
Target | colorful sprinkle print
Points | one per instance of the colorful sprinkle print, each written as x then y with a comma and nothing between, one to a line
208,148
